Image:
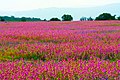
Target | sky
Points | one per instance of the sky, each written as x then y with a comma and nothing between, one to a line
22,5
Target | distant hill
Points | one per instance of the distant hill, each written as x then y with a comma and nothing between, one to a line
77,13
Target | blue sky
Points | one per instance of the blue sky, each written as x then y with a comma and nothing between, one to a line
21,5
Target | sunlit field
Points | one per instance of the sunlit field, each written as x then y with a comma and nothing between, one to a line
73,50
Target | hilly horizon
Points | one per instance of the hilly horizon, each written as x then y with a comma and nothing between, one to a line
77,13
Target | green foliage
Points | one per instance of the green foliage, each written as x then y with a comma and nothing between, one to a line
23,19
12,18
45,20
67,17
86,19
105,16
90,19
118,18
55,19
83,19
2,19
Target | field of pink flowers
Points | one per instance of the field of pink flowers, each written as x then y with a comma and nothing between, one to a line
88,50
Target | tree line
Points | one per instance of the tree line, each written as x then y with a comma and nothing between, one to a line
23,19
103,16
65,17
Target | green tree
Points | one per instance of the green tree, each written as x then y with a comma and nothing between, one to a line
23,19
90,19
2,19
55,19
105,16
45,20
83,19
67,17
118,18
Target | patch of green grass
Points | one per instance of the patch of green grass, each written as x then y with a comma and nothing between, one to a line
114,25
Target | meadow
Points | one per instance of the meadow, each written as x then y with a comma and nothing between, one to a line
63,50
